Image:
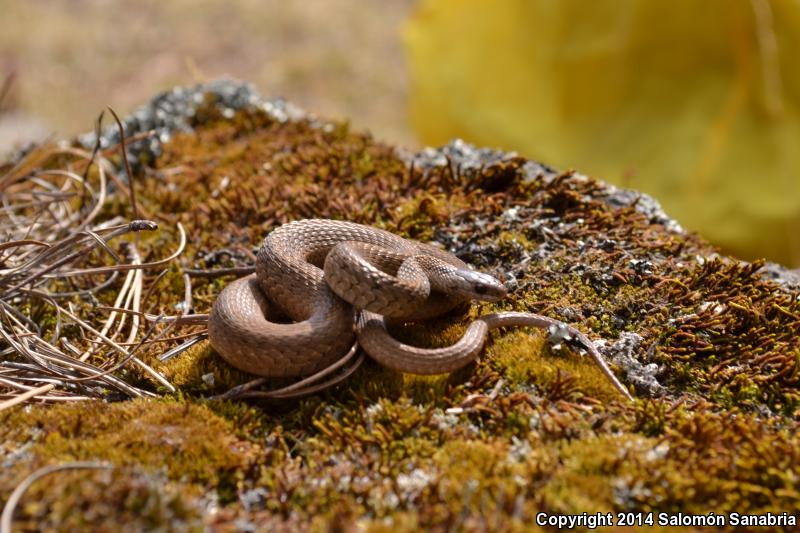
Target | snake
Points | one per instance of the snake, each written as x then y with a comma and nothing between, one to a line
319,285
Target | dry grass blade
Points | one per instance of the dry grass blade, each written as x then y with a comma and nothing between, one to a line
128,171
58,264
305,386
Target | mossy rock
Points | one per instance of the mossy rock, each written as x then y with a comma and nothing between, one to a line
707,344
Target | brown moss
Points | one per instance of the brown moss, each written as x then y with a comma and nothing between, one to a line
735,338
523,429
725,461
186,440
101,501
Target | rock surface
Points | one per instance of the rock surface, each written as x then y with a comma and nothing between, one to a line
706,343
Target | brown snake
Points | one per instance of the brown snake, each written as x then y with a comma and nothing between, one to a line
337,280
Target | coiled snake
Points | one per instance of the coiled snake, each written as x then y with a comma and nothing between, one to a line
337,280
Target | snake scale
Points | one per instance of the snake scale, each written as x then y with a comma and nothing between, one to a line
336,281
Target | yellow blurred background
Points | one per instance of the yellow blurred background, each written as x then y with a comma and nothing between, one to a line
694,102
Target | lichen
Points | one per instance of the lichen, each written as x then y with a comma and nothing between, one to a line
527,427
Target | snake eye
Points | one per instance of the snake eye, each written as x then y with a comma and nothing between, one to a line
480,289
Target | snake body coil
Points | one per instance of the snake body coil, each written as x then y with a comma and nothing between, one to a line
335,280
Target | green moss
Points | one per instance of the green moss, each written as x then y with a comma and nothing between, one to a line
102,500
722,461
586,472
524,428
186,440
524,358
509,241
417,216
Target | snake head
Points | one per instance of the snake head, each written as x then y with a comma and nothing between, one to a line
479,286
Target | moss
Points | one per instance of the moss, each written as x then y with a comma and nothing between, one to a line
186,440
417,217
525,428
586,473
511,242
736,341
722,461
187,445
101,501
523,357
